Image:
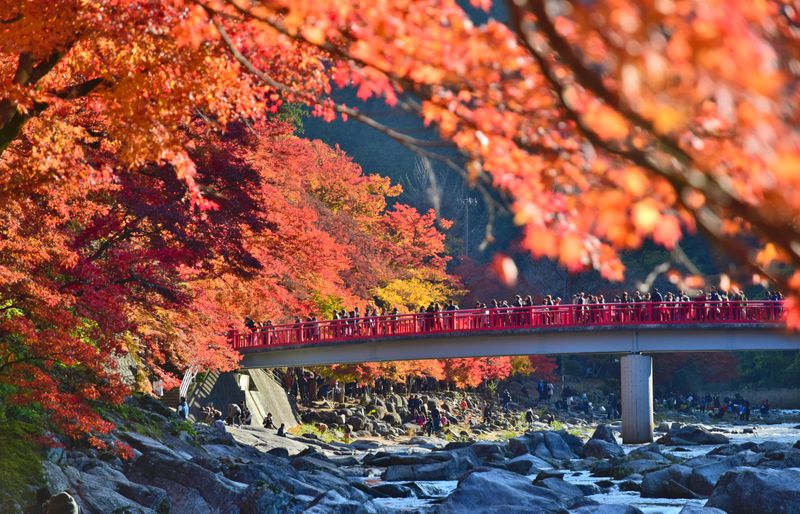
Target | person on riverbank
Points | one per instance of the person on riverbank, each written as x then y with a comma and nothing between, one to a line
183,409
436,419
529,417
219,424
506,399
487,413
282,430
268,423
234,414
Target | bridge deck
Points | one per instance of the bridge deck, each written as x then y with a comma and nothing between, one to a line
606,328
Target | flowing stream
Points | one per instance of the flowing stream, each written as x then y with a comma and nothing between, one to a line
783,432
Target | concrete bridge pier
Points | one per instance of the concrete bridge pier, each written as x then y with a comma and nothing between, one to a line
637,398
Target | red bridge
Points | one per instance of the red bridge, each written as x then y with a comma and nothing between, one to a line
630,329
505,320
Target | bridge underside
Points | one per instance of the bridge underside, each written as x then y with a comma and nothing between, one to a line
589,340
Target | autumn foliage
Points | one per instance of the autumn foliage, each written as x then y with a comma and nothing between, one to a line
124,271
150,196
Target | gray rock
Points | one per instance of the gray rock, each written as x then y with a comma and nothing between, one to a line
147,444
56,455
357,422
699,509
733,449
186,482
307,463
574,442
54,477
604,433
458,462
663,427
651,451
607,509
279,452
332,501
603,468
96,496
692,435
518,446
527,464
488,451
589,489
393,419
752,491
602,449
393,490
705,477
568,494
559,449
672,482
267,499
499,492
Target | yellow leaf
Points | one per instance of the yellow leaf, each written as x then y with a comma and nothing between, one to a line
646,216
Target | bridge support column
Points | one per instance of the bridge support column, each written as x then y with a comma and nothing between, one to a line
637,398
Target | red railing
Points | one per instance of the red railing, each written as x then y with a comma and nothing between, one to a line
514,318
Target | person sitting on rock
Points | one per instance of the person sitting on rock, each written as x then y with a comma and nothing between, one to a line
219,424
282,430
247,416
268,421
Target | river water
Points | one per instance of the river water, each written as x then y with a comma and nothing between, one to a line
784,432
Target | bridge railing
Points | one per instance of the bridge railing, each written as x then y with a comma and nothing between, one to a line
510,318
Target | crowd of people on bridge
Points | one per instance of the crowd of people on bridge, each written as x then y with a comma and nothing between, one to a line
521,312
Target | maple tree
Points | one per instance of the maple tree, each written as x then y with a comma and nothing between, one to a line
89,275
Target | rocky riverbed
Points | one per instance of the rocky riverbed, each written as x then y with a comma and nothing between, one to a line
182,468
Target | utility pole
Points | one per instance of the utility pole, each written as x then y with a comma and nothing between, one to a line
467,203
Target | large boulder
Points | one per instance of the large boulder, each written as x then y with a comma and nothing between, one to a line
705,477
393,419
755,491
96,495
191,487
518,446
498,491
393,490
488,451
332,501
458,462
574,442
604,433
672,482
602,449
559,448
568,494
692,435
527,464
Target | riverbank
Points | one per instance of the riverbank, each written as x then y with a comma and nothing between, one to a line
181,467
